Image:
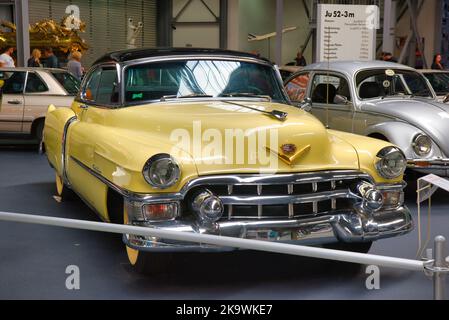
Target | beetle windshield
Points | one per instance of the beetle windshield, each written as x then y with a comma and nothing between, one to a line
439,82
388,82
201,79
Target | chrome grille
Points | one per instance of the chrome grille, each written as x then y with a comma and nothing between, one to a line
283,196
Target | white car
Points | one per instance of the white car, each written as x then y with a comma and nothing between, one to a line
26,94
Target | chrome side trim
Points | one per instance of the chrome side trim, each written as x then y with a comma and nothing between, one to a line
64,150
436,163
131,196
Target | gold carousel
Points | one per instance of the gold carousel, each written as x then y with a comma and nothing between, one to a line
63,37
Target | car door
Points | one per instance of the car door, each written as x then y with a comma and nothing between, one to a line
332,100
99,94
12,102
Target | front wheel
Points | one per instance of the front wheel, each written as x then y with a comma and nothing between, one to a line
144,262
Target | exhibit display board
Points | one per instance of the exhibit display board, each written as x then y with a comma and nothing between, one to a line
346,32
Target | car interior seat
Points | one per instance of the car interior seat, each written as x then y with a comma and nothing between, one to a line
324,93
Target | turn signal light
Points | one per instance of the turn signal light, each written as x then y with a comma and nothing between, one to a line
393,199
422,164
160,211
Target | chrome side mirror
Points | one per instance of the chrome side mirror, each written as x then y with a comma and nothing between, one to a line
306,105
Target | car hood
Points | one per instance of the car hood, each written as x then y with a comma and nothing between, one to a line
430,116
206,131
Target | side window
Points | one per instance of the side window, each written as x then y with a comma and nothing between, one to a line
35,84
14,82
108,87
68,81
297,87
330,89
91,88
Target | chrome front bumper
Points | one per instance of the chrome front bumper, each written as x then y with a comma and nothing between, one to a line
348,226
303,208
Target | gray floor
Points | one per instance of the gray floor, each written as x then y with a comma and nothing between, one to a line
33,258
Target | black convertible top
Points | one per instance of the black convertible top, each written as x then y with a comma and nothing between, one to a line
134,54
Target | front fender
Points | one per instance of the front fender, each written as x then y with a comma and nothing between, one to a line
401,134
56,122
367,150
120,155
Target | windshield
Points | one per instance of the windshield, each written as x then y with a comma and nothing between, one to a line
68,81
439,82
201,78
388,82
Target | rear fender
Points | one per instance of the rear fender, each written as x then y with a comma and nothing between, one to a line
57,122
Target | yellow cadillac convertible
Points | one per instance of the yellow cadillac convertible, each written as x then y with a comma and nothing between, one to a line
206,141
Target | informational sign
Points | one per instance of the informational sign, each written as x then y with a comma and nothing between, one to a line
429,184
346,32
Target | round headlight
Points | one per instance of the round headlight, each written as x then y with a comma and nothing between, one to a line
391,163
161,171
422,145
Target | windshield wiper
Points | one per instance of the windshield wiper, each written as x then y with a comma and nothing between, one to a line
246,95
193,95
196,95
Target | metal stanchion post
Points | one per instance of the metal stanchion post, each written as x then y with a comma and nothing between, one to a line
439,276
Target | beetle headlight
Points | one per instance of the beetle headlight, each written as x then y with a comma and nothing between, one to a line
422,145
391,163
161,171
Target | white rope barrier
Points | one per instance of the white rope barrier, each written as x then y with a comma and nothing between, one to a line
290,249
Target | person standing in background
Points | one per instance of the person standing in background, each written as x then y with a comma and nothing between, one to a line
51,61
300,60
74,65
6,60
437,64
388,57
35,61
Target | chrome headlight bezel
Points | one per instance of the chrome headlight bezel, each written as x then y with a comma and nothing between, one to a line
388,156
418,141
161,160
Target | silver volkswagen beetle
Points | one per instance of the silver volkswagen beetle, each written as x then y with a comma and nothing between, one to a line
382,100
